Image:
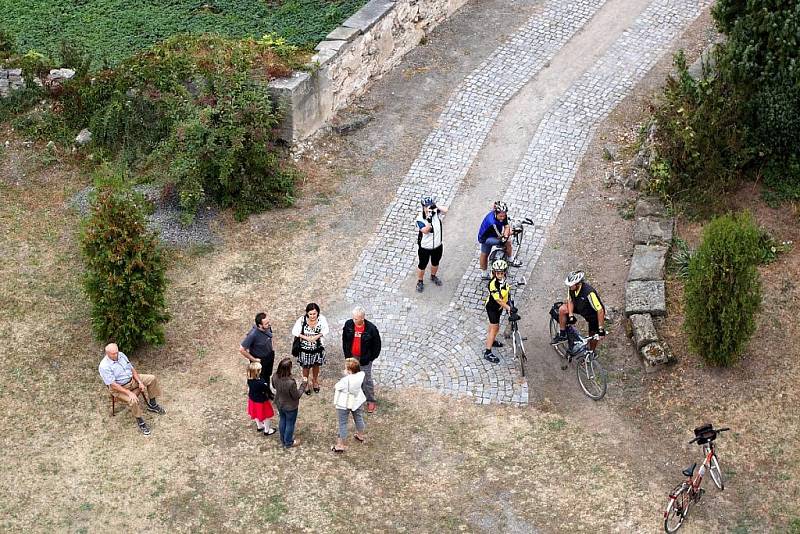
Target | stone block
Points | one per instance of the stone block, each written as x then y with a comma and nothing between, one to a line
648,262
655,356
60,74
330,45
645,296
643,329
343,34
369,15
15,72
84,137
650,207
652,230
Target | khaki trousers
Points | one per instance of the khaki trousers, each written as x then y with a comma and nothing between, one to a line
151,389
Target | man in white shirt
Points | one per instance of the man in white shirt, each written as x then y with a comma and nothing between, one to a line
122,379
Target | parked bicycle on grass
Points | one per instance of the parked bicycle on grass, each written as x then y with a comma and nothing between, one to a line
689,491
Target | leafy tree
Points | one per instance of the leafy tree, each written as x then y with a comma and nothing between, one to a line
125,272
723,290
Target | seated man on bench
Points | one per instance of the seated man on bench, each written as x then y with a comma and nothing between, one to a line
123,381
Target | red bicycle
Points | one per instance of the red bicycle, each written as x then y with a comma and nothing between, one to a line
690,492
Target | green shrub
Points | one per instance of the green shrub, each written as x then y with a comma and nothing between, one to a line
193,113
696,164
125,272
7,45
723,289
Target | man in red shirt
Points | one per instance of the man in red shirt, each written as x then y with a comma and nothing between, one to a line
362,341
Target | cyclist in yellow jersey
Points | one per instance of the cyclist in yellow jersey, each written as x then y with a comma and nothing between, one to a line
583,300
496,302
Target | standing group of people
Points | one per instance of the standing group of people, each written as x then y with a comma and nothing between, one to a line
361,345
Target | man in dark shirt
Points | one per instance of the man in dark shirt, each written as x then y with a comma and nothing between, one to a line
257,345
362,341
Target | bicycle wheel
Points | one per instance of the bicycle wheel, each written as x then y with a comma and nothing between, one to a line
716,473
560,348
519,350
678,507
592,377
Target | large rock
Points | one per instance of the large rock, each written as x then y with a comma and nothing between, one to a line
655,356
652,230
59,75
84,137
648,262
644,331
645,296
650,207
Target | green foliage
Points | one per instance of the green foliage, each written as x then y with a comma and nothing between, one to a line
723,289
770,248
112,30
744,119
125,272
680,258
194,113
696,162
7,45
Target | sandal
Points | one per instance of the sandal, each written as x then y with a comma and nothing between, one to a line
337,451
362,440
316,389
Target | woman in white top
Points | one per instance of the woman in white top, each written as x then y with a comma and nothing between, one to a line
429,240
348,398
311,328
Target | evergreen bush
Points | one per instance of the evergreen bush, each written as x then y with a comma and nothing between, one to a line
125,272
723,289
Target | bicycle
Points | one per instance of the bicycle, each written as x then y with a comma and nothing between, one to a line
689,491
592,376
517,338
498,252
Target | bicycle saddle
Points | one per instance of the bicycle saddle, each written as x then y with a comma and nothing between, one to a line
689,471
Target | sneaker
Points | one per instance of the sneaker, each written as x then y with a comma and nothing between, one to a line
436,280
514,263
497,344
491,357
420,286
269,432
372,407
143,428
560,338
155,408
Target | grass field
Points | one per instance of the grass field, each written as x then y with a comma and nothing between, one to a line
113,29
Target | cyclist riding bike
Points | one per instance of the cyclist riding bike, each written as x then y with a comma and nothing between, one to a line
496,302
582,299
495,231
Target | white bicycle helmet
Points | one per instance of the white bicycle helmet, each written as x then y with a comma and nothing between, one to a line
500,265
573,278
500,207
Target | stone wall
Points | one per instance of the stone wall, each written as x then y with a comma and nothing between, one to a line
363,48
10,80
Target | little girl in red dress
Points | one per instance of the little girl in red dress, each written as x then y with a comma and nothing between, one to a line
259,406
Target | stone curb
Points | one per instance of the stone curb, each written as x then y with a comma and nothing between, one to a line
645,296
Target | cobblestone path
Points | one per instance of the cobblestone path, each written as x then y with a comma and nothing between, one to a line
440,347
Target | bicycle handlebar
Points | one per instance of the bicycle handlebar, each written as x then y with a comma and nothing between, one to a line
716,430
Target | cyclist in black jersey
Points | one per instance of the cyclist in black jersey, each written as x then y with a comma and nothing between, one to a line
496,302
583,300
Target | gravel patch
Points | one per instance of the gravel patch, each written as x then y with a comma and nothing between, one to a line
165,218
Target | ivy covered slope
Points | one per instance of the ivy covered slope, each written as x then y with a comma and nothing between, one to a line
112,30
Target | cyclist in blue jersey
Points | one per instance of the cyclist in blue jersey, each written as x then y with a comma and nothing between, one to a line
495,231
